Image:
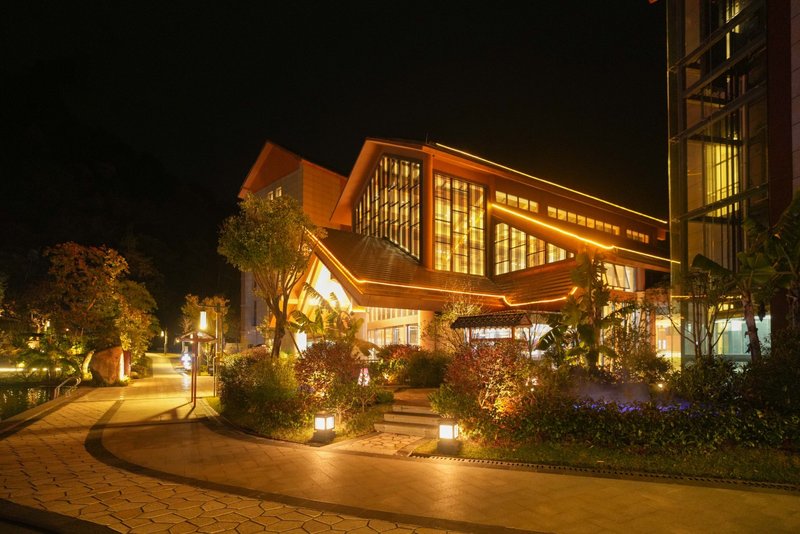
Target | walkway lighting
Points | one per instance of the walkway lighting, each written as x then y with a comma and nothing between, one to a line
324,427
448,437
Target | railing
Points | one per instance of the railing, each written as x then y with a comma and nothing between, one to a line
69,389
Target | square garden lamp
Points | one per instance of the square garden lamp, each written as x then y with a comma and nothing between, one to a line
448,437
324,428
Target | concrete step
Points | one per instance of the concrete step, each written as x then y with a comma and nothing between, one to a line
423,419
408,429
412,408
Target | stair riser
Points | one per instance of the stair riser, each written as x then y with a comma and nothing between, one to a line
424,420
408,408
422,431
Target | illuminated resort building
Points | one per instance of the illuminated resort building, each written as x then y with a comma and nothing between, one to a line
734,127
417,226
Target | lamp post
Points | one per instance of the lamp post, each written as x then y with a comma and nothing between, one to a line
165,336
195,338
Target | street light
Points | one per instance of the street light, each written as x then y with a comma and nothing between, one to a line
164,335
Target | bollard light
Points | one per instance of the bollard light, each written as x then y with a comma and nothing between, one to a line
448,429
324,427
323,421
448,437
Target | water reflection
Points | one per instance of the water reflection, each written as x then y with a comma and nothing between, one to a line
16,399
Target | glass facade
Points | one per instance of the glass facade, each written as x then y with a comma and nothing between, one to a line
514,250
390,204
516,202
717,67
717,55
459,225
582,220
389,326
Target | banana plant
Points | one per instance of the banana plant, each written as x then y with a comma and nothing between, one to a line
754,282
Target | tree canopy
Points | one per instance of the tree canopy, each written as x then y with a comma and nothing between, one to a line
272,239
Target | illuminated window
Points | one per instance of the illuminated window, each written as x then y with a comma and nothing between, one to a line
516,202
637,236
515,250
389,206
459,225
501,249
582,220
536,251
620,277
413,334
555,253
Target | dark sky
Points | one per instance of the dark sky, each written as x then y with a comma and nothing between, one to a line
571,91
134,123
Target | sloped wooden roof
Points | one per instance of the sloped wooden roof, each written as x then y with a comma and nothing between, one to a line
373,269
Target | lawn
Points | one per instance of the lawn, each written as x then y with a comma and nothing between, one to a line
739,463
358,425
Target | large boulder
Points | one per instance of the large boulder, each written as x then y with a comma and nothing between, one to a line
110,366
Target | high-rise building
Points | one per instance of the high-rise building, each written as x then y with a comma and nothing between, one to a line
734,131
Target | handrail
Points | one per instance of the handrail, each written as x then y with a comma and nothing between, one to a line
77,380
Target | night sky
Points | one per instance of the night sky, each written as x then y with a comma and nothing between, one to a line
573,92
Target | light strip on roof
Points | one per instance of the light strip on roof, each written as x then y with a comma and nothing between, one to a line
550,226
612,248
361,281
550,183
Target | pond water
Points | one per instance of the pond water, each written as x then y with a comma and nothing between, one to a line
16,398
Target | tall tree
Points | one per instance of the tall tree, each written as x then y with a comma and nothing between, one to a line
273,239
136,323
782,245
80,294
89,302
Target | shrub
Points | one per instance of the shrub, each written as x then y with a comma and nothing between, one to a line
650,426
772,382
263,388
328,373
483,384
426,369
711,380
392,363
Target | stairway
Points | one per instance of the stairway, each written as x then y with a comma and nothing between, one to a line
410,420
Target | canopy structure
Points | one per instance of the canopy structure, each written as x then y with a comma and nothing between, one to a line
196,338
495,326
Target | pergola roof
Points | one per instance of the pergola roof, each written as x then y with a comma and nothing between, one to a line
502,319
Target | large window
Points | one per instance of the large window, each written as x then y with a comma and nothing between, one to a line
515,250
460,225
621,277
389,206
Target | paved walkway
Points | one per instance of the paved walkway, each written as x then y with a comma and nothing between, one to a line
141,459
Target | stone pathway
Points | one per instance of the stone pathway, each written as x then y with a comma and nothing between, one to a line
385,443
46,466
143,459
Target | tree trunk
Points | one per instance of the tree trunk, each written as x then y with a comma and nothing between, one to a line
752,330
85,365
278,337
